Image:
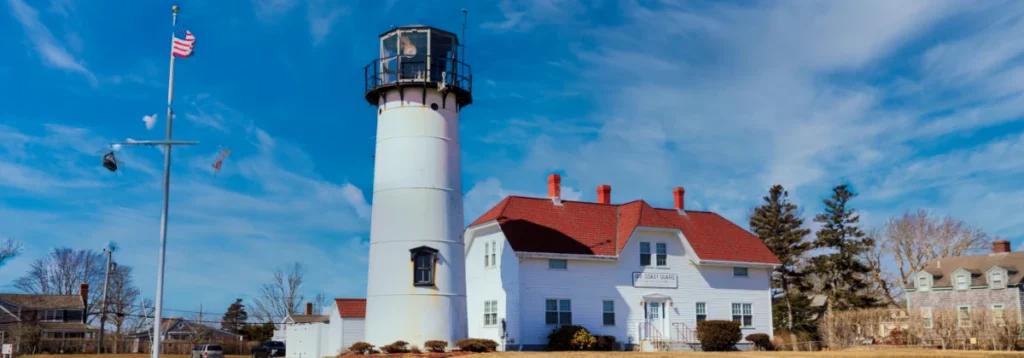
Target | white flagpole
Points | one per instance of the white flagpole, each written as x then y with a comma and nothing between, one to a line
157,320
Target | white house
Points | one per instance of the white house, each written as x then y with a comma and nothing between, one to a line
329,336
641,274
281,333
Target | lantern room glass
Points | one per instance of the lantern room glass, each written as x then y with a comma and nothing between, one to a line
418,55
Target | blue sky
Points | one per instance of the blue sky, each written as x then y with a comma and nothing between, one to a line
916,104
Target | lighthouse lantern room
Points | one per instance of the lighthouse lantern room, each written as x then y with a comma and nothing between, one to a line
416,285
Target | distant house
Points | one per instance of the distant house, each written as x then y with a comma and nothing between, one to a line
344,326
182,330
969,283
59,318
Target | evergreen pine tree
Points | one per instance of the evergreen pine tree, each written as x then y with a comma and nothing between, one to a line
778,224
843,274
234,319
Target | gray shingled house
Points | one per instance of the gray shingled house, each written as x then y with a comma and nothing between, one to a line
964,283
59,319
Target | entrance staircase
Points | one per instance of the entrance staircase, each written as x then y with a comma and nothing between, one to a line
679,339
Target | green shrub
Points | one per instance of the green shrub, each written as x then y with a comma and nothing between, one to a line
605,343
761,341
477,345
718,335
435,346
397,347
361,348
571,338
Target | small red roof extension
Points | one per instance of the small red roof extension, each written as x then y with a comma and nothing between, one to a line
351,307
537,225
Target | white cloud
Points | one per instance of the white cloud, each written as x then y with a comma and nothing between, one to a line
53,53
486,193
522,16
322,15
272,8
150,120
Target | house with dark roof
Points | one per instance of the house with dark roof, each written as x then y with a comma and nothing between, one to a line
310,336
991,282
645,275
59,318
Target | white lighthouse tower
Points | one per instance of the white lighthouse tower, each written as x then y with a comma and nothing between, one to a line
416,289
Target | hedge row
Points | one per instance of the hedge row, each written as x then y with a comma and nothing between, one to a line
577,338
467,345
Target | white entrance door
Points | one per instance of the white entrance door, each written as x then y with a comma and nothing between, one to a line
656,319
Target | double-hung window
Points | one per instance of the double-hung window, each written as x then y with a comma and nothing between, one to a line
926,317
609,312
997,315
963,316
558,312
487,254
702,312
490,254
962,282
742,313
662,251
494,254
490,313
645,254
996,280
423,260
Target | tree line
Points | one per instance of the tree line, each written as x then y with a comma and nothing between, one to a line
63,270
848,267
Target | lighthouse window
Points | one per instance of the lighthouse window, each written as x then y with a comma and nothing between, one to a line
413,59
424,259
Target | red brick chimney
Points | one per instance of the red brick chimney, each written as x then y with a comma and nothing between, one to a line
679,194
309,308
83,292
1000,246
555,188
604,194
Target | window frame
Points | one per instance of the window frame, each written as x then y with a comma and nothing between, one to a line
564,267
487,254
700,311
645,254
744,314
494,256
558,312
491,313
960,321
1001,320
52,316
660,254
431,256
746,271
608,317
966,284
992,282
927,282
926,316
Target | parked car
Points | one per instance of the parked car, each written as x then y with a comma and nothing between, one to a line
267,349
208,351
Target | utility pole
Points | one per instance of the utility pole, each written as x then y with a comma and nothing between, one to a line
103,306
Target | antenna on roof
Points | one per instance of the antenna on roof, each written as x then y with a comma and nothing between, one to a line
465,11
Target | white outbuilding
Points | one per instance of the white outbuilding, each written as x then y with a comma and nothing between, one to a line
317,336
642,274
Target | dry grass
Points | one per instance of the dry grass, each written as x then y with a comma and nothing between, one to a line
902,353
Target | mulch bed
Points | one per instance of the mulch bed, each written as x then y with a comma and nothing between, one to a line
421,355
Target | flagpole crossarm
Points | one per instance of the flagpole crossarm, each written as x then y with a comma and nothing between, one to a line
157,142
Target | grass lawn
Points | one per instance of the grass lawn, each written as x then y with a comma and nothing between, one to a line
901,353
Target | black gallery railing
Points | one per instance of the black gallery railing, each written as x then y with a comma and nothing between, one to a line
417,69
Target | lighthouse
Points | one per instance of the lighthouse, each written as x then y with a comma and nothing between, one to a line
416,284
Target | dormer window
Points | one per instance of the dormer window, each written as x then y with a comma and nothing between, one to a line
424,260
962,281
997,279
924,282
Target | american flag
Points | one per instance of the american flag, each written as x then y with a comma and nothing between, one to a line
183,42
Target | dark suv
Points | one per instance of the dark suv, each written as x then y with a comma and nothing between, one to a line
268,349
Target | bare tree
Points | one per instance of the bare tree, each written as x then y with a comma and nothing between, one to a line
908,242
320,303
282,296
122,301
9,249
62,271
142,321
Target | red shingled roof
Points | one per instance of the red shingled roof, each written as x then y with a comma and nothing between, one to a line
537,225
351,307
